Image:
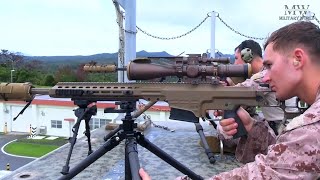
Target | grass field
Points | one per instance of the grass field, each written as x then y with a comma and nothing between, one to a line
57,142
29,149
34,147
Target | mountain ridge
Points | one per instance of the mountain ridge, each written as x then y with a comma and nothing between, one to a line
104,57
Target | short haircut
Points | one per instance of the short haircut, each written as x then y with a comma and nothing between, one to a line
298,34
251,44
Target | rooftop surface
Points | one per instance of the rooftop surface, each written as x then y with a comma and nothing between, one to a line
182,144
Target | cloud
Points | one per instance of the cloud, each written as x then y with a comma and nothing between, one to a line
69,27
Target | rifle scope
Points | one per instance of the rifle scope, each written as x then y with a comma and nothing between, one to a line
137,70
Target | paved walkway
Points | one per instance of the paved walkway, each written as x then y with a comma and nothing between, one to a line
15,162
182,144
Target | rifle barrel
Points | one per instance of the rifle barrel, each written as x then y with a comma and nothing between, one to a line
42,91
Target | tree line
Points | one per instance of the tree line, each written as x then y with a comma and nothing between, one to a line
13,66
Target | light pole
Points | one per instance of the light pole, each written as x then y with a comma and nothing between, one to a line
12,70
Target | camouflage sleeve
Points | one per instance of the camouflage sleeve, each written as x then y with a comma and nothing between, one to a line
256,142
290,158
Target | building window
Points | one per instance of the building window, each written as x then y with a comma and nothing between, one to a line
95,123
56,124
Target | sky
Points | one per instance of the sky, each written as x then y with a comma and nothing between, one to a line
86,27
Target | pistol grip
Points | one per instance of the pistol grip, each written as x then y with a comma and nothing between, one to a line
241,130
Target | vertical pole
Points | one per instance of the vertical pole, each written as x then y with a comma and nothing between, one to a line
12,70
130,32
120,17
11,76
213,34
5,130
8,167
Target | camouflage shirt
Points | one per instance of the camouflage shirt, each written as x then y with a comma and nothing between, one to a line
295,154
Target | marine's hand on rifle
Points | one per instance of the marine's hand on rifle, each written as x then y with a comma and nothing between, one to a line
229,126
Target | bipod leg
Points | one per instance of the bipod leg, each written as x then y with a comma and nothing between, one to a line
83,112
72,140
87,133
206,147
92,110
144,142
107,146
132,164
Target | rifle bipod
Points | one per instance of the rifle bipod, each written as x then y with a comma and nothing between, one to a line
206,147
127,131
84,112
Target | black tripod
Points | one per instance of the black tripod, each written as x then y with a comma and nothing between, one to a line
127,131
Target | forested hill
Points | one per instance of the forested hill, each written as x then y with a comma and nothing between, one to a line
105,58
99,58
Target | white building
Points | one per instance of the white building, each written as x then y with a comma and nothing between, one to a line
55,117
